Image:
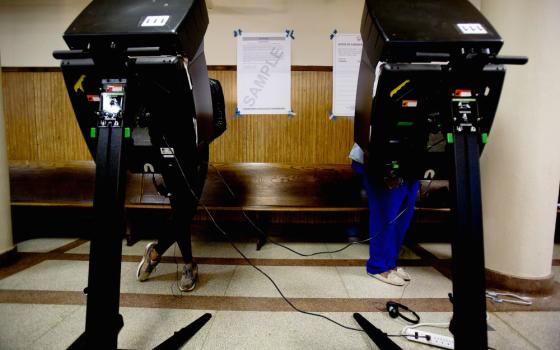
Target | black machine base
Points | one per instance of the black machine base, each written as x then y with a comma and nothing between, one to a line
176,341
376,335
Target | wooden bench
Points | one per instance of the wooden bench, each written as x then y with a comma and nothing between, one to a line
259,188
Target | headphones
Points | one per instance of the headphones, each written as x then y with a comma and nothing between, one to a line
393,310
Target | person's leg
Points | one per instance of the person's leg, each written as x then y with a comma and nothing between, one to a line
183,229
181,216
410,189
385,206
184,204
187,172
165,240
183,208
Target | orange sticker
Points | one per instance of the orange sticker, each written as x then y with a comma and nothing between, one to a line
409,103
93,98
115,88
462,93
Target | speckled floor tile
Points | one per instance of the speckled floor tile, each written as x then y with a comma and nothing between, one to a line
143,329
62,275
538,328
294,281
200,248
42,245
22,324
426,283
59,275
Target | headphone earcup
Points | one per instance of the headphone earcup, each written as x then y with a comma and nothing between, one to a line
393,310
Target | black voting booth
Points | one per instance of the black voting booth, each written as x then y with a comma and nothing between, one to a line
437,90
138,82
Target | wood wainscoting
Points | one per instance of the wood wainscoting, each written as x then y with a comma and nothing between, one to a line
41,125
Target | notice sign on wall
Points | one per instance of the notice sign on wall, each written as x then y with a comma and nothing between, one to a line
264,73
347,53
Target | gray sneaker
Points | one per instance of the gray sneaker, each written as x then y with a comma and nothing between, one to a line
147,265
188,278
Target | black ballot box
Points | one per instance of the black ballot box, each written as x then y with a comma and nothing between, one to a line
397,30
175,26
426,59
157,48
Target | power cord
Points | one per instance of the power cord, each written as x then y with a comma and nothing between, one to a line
259,230
305,255
219,228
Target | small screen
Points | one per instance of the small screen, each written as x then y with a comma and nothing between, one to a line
112,103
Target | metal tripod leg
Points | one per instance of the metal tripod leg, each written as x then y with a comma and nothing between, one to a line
179,338
469,302
103,321
377,336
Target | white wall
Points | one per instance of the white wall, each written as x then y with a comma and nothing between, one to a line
521,165
312,21
6,241
31,29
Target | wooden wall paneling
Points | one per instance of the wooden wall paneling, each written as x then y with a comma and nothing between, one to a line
40,120
307,138
41,123
19,112
59,137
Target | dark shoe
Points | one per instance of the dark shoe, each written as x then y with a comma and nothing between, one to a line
188,278
147,265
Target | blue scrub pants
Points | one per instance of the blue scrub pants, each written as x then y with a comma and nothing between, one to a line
384,206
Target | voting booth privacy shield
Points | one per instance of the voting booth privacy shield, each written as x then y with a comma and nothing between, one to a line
138,82
429,84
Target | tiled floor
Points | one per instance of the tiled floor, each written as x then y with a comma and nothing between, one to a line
42,307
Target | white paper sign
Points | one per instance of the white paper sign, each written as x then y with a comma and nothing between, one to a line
347,53
264,78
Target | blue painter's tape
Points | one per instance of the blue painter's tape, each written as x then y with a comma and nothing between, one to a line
333,34
290,34
237,33
291,114
332,116
237,112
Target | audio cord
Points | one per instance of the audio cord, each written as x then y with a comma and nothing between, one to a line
260,231
225,234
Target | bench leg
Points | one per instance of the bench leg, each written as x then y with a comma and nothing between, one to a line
129,234
261,241
261,221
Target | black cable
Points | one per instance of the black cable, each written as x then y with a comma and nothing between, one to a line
423,196
291,249
243,255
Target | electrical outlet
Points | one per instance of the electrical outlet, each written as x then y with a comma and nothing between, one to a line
433,339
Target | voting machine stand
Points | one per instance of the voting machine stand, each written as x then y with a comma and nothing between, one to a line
138,83
437,90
